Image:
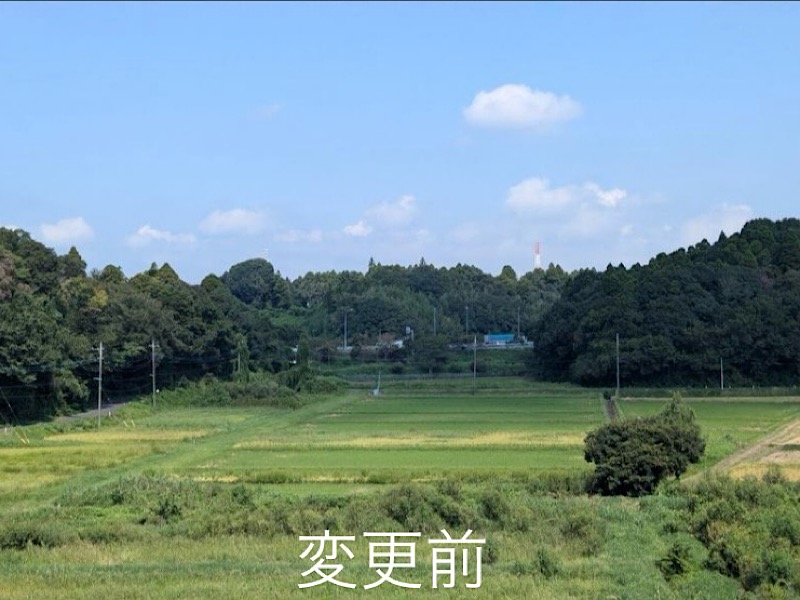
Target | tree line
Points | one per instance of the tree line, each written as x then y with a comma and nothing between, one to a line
734,303
54,316
717,314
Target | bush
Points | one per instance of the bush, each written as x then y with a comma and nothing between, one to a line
503,508
397,368
584,530
365,514
675,562
750,529
560,484
323,385
429,509
165,511
546,562
259,390
33,531
411,506
631,457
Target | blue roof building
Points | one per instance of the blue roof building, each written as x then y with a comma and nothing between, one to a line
498,339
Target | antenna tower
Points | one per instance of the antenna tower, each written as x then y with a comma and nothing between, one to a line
537,257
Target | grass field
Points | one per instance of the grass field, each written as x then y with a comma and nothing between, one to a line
209,503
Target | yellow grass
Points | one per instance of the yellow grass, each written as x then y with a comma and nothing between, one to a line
17,482
26,468
790,471
128,435
783,457
57,458
787,460
486,440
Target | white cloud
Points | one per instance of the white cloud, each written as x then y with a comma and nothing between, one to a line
146,234
360,229
237,220
294,236
608,198
517,105
535,195
726,217
394,213
385,216
67,231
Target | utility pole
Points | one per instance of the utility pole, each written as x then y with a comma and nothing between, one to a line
721,375
153,365
617,366
99,384
518,336
474,362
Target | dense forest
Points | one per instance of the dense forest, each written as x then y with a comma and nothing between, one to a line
735,302
732,307
54,317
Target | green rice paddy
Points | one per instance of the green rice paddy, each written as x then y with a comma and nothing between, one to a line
498,440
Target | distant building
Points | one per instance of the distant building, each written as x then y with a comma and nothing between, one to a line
498,339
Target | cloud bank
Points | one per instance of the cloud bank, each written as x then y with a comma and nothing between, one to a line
536,196
146,234
359,229
400,212
385,216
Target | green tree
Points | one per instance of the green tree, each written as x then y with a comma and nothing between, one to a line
255,282
430,353
71,264
508,275
35,352
303,351
633,456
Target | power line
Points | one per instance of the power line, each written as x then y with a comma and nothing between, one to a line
48,367
22,437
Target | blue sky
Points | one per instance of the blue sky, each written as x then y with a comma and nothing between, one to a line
319,135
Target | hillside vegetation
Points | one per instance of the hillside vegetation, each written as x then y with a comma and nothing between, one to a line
737,301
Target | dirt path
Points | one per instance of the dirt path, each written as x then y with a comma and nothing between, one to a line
612,412
788,434
104,411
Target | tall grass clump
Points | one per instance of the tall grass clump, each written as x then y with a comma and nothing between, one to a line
261,389
33,531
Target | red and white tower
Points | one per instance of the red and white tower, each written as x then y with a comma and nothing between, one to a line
537,257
